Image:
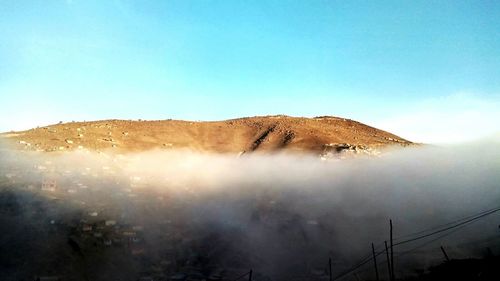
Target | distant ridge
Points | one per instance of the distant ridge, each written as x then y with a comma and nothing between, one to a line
260,133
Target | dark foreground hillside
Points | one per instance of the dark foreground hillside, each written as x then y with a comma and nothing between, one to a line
487,268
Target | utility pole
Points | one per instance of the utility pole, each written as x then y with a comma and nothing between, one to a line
330,268
374,262
444,253
388,261
250,275
392,253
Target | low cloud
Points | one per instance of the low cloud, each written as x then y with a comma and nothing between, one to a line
281,215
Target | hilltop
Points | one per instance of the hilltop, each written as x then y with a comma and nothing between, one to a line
264,134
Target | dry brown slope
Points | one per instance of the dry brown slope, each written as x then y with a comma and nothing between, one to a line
268,133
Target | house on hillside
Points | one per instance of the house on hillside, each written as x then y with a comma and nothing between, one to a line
49,185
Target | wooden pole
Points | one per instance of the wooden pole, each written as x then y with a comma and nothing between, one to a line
374,262
444,253
392,253
250,275
388,261
330,268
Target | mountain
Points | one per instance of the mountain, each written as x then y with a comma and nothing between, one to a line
262,133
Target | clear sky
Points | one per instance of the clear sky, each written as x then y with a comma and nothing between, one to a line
426,70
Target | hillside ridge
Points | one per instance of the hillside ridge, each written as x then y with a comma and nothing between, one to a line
248,134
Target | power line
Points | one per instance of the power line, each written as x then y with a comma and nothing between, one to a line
430,241
437,238
448,228
469,219
443,225
398,254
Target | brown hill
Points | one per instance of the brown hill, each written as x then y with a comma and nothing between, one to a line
267,134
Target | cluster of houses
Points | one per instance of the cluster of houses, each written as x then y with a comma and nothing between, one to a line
140,225
335,151
109,233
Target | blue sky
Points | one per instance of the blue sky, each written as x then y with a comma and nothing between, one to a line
434,64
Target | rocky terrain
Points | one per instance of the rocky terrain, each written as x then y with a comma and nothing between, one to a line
320,135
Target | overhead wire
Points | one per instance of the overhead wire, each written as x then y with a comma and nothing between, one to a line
456,223
443,225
